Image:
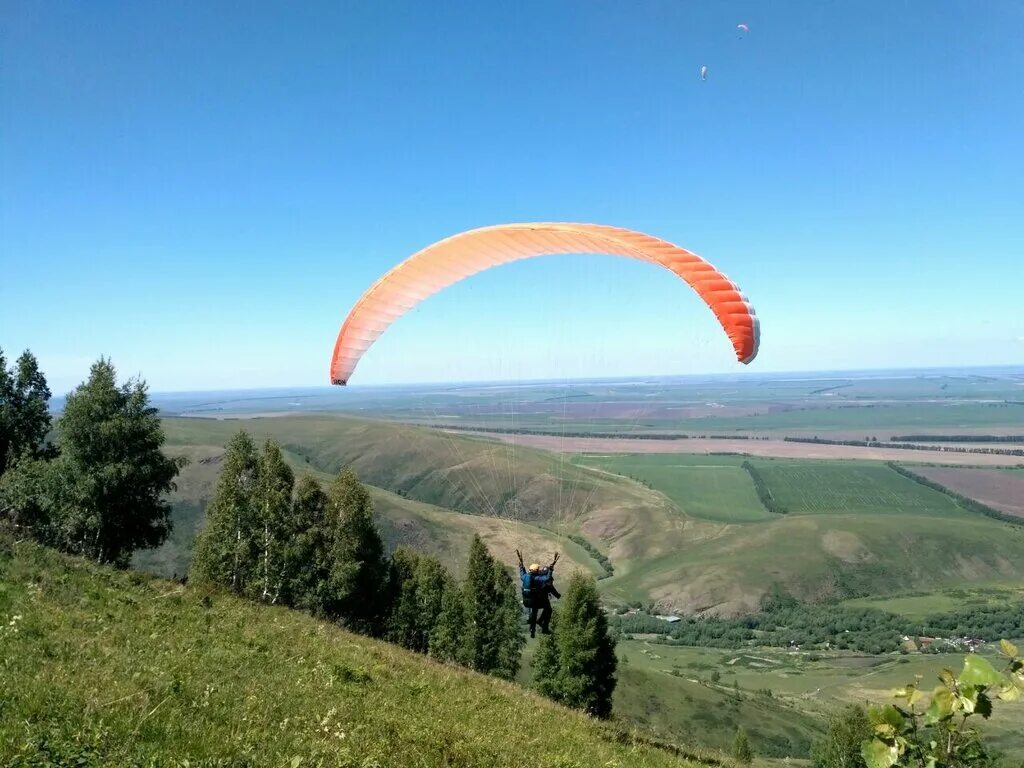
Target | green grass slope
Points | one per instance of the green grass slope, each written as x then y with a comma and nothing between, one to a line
820,557
101,667
464,473
402,522
683,709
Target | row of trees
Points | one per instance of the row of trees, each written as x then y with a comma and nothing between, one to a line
967,438
972,505
94,485
764,493
275,540
784,621
871,442
297,544
594,552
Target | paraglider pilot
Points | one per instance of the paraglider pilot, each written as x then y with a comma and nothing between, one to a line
538,583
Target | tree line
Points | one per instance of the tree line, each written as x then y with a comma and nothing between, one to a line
873,443
299,544
598,555
972,505
783,621
584,433
958,438
764,493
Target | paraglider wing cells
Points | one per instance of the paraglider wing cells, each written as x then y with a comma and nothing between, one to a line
460,256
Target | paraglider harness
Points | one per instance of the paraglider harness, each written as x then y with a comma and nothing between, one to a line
535,585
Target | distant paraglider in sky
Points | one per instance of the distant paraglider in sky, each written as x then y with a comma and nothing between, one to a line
455,258
744,30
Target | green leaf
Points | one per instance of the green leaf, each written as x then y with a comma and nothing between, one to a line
878,754
941,706
891,716
885,731
1008,648
875,714
1009,692
978,671
902,693
966,703
947,677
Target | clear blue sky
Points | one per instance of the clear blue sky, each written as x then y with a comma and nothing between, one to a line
202,190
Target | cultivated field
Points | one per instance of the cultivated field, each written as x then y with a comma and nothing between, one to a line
841,405
998,489
842,488
709,487
769,448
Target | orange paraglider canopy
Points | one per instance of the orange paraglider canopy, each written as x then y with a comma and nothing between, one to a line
450,260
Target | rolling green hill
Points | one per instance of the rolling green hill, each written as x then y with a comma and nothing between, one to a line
853,528
459,472
691,536
104,667
403,521
531,496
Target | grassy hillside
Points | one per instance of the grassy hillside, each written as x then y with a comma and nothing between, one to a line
402,522
816,557
533,495
464,473
917,605
658,694
102,667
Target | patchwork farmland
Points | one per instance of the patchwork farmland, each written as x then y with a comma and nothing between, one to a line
1000,489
